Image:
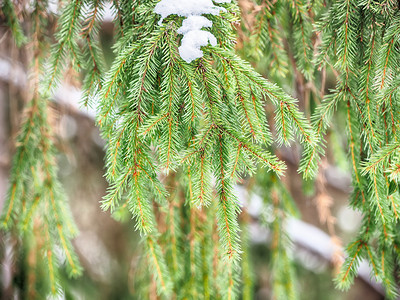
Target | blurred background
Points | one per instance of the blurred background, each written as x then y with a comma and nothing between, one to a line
109,250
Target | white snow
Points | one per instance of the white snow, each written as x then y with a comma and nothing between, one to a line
191,42
193,36
194,22
186,8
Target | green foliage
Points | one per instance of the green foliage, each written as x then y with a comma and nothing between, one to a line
279,23
36,200
181,135
279,205
8,11
36,210
66,48
162,115
365,38
359,40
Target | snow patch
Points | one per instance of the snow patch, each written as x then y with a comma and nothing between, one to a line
193,36
186,8
191,43
194,22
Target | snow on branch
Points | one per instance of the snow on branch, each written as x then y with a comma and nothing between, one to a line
193,36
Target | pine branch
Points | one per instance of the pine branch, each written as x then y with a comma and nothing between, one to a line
67,46
7,9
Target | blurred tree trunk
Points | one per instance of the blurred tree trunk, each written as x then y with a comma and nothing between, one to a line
4,144
6,264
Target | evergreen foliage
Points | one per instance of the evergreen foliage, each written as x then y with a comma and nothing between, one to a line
181,135
202,121
36,209
358,41
364,35
8,11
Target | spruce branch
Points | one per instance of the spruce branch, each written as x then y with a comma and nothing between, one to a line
67,43
8,10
